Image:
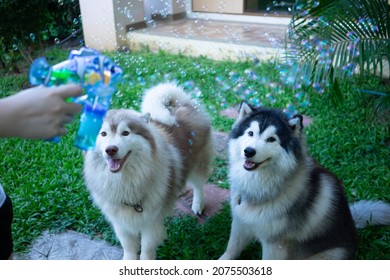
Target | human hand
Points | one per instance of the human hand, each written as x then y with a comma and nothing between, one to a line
39,112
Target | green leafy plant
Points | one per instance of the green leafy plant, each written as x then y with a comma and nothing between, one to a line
26,27
330,40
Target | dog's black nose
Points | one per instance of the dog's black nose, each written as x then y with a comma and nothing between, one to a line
249,152
111,150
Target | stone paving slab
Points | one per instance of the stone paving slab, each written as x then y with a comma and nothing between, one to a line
71,245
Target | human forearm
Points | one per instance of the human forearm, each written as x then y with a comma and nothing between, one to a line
9,118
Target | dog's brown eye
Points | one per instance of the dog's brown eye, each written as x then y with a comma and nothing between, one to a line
250,133
125,133
271,139
103,134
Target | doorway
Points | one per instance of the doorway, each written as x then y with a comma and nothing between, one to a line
268,6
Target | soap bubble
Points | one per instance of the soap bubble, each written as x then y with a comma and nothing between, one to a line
353,36
290,110
349,69
353,50
251,74
368,24
318,87
189,85
271,98
315,4
256,101
234,76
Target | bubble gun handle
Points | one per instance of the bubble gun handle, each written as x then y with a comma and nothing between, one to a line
98,76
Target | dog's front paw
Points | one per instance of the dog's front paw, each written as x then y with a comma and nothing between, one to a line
130,256
197,208
225,256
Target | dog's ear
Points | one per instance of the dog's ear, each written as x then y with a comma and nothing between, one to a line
296,123
146,117
244,110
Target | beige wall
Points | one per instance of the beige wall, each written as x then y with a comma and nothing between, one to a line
105,21
217,6
179,7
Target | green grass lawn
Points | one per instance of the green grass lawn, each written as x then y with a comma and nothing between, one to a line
45,180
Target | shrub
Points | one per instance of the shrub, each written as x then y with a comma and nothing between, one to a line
25,26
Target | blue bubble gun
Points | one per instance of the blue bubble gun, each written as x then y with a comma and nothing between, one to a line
98,76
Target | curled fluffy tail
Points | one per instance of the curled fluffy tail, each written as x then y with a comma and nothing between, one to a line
161,102
367,212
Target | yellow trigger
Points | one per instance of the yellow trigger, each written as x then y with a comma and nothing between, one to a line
93,78
107,76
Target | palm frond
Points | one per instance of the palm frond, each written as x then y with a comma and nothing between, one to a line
333,39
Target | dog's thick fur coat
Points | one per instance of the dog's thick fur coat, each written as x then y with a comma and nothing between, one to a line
142,161
281,197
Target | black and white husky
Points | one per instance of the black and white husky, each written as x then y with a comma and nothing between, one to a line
142,161
283,198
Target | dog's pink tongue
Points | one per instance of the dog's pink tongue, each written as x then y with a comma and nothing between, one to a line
114,163
249,164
